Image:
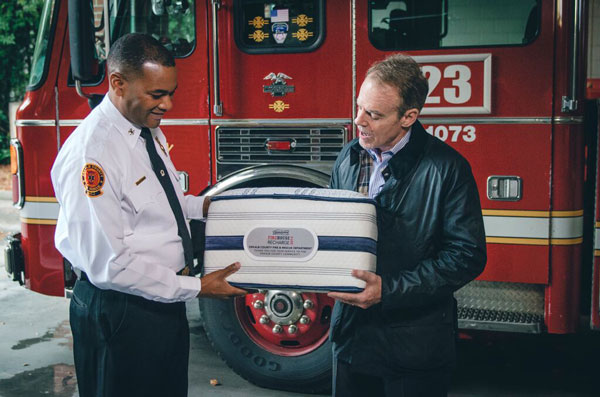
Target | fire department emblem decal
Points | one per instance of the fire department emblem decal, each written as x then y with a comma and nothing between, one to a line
278,85
258,36
302,20
280,32
302,34
92,178
279,106
258,22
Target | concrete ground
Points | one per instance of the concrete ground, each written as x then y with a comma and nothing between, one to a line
36,344
36,349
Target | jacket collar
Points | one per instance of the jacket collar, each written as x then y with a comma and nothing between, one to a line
403,161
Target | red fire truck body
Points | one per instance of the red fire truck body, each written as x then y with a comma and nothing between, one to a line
266,96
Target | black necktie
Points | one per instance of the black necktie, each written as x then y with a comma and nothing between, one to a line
163,176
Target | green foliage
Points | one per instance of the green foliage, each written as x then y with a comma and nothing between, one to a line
19,21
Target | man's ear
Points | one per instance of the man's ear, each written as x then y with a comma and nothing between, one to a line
117,83
409,117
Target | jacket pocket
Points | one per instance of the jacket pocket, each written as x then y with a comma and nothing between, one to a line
442,313
422,347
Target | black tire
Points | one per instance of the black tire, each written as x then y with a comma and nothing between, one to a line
309,373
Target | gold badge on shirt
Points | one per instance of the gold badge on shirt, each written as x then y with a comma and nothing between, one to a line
92,178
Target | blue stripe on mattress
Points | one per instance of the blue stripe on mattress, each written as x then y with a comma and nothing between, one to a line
337,288
275,196
326,243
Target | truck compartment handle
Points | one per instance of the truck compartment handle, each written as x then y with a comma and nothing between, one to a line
218,106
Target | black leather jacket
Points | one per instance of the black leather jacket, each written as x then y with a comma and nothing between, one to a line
431,242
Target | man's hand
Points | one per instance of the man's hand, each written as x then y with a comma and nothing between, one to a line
370,296
215,285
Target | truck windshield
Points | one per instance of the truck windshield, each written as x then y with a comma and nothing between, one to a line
413,25
42,45
170,22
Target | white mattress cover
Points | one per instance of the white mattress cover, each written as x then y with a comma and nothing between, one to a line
331,232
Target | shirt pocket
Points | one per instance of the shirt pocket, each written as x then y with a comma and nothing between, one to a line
144,194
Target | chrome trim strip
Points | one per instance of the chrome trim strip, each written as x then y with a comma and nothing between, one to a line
38,123
269,171
217,106
107,30
451,58
57,115
502,120
76,122
279,122
322,122
184,122
575,53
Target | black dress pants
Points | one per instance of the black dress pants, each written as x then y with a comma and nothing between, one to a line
350,382
125,345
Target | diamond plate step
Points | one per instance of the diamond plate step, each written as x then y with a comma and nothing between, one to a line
501,306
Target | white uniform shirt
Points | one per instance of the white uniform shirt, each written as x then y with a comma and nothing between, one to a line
122,234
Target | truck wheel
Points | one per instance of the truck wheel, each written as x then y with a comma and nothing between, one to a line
275,339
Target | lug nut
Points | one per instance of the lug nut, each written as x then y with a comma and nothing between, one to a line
258,304
277,329
304,320
292,329
264,319
308,304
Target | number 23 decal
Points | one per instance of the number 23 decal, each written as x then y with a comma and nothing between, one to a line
458,83
453,132
460,92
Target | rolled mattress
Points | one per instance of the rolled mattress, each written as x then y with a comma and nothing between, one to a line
292,238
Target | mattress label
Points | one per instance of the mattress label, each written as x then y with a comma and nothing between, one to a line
287,244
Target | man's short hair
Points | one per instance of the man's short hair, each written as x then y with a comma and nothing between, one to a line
130,52
402,72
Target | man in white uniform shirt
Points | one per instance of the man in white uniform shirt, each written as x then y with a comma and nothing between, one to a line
119,226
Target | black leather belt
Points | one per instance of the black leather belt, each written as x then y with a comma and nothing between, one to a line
84,277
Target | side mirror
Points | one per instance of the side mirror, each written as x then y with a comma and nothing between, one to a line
81,38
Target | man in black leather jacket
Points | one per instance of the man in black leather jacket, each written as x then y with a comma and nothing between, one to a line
397,337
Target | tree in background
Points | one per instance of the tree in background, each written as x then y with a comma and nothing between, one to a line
19,21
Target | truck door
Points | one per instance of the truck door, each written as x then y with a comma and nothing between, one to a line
489,67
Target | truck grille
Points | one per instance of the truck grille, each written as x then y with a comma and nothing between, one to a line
242,147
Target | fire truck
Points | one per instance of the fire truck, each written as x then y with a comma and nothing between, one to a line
266,97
